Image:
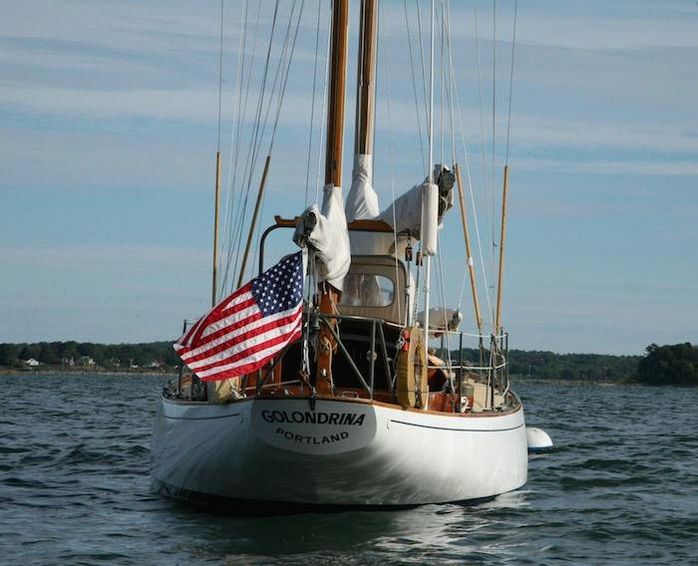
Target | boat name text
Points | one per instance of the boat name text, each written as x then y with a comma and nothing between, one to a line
313,417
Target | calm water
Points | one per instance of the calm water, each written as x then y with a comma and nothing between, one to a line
622,487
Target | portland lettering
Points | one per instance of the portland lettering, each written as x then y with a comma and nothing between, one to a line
313,417
312,440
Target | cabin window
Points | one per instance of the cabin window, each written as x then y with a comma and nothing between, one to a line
367,290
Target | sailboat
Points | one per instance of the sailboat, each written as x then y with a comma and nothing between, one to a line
355,408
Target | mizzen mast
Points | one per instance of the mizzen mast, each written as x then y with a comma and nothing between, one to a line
366,79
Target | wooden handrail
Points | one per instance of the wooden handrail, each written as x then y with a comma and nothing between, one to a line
355,226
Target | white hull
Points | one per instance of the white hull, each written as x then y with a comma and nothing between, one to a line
354,453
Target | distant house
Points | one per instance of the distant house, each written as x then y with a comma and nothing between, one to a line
31,362
155,365
85,361
68,361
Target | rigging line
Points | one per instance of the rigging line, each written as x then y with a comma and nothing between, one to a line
511,81
440,271
449,91
431,99
432,180
229,199
414,86
240,109
280,100
236,207
488,183
494,83
281,75
281,70
255,129
471,192
312,106
443,94
240,122
473,207
440,277
417,295
421,59
260,124
391,157
450,101
244,102
323,114
449,79
286,72
481,98
494,132
220,82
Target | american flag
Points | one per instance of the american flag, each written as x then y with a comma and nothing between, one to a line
245,330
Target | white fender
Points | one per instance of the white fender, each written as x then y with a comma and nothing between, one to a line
538,441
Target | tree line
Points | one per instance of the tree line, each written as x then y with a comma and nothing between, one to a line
538,364
675,364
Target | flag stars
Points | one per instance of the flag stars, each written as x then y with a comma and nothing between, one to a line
280,288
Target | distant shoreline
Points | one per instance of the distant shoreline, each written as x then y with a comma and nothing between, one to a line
516,380
160,357
83,371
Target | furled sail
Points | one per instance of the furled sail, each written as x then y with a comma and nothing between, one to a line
325,233
362,200
362,204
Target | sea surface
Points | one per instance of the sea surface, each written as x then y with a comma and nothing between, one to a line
620,488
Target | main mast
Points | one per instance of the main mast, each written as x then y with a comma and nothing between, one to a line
337,93
329,295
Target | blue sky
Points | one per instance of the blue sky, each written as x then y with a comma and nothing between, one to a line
108,136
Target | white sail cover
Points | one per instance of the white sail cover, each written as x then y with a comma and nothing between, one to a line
362,204
362,200
430,218
325,232
404,214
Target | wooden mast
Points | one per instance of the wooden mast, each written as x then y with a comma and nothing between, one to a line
329,295
366,78
337,93
216,215
502,238
468,251
253,224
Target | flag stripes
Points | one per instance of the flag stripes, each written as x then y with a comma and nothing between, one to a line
246,329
